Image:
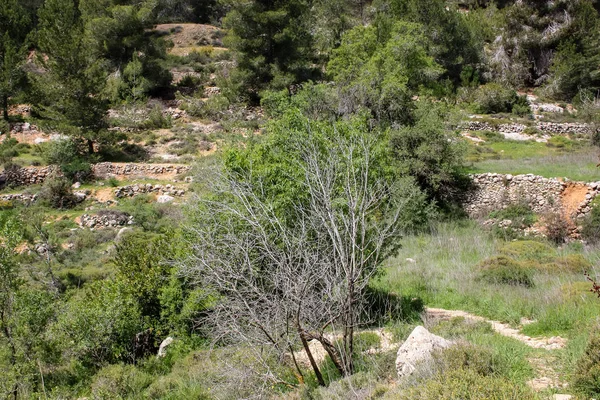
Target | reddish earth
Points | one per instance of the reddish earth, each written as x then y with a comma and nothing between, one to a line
573,195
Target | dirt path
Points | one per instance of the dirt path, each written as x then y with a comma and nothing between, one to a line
546,376
553,343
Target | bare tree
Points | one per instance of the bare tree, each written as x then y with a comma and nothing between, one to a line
285,280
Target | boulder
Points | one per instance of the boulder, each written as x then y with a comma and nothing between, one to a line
162,350
417,349
165,199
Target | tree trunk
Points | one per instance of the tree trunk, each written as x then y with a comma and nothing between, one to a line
333,354
90,144
313,363
5,107
13,359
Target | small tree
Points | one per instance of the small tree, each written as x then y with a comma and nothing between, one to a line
295,273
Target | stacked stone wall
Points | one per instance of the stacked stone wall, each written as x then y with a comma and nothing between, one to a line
492,192
549,128
25,176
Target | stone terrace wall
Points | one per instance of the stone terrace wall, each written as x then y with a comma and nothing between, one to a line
26,176
496,191
550,128
104,170
37,175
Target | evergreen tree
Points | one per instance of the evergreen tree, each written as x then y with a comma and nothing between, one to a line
70,91
118,33
15,24
273,42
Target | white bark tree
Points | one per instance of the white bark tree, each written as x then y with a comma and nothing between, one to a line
287,280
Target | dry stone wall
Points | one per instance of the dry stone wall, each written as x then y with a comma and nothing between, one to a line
105,170
549,128
26,176
134,190
494,192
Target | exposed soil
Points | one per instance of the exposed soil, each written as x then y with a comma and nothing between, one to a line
189,37
573,195
104,195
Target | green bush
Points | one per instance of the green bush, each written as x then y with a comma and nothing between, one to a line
504,270
66,154
591,224
98,325
529,250
586,379
156,119
574,263
464,384
57,192
467,356
120,382
493,98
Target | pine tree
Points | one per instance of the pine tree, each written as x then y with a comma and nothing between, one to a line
70,91
272,40
15,25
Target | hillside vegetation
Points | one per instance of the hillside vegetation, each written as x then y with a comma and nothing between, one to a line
222,199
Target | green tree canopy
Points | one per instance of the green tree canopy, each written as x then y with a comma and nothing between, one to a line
272,40
383,72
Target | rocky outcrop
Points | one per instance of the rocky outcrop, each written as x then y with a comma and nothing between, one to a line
417,350
134,190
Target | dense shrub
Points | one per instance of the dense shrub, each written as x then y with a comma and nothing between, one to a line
586,378
557,228
528,250
66,154
98,325
157,120
467,356
591,225
465,384
493,98
506,271
574,263
57,192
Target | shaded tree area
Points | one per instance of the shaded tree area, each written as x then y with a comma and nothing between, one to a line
273,44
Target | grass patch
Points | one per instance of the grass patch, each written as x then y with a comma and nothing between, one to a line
446,274
578,165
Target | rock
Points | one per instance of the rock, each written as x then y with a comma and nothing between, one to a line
76,185
164,199
418,349
162,350
122,231
562,397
